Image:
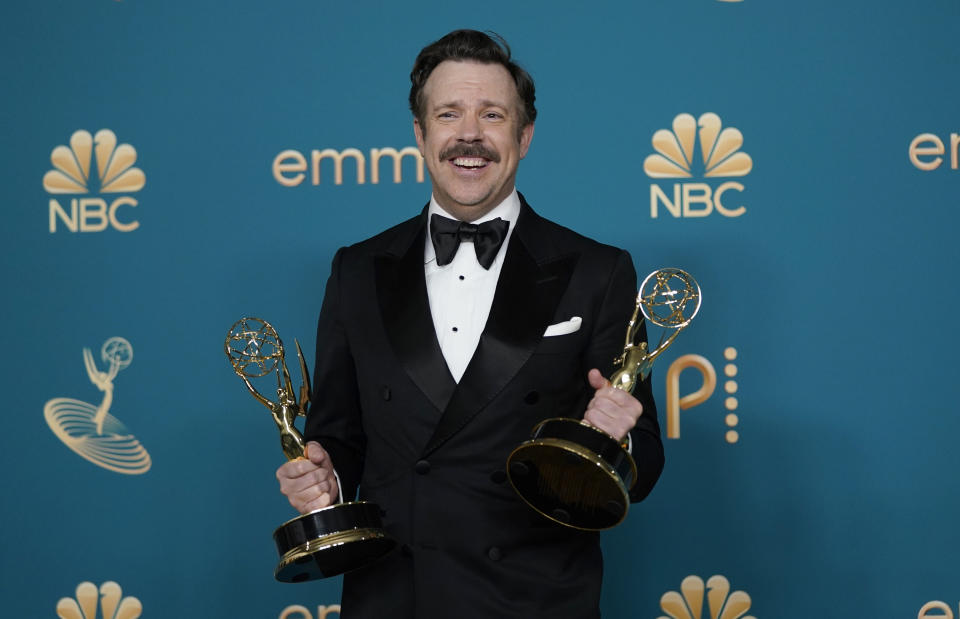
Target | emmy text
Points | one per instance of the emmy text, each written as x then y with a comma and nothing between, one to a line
943,611
926,150
290,166
296,611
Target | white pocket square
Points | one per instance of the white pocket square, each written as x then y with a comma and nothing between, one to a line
563,328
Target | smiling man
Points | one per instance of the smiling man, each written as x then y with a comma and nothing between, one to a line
442,342
472,131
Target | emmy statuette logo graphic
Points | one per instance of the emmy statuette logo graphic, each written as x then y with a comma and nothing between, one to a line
677,402
72,174
722,604
676,158
109,598
90,430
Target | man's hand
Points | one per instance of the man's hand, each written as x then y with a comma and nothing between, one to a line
612,410
309,484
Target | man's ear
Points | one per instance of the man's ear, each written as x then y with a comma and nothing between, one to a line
526,136
418,133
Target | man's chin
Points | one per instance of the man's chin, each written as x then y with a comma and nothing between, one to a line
468,203
472,212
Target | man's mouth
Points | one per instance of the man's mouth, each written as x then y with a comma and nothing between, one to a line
469,163
470,156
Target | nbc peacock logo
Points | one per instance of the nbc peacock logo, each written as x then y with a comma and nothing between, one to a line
688,603
73,173
90,430
675,157
109,599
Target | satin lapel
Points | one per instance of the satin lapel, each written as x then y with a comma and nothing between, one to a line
527,295
405,311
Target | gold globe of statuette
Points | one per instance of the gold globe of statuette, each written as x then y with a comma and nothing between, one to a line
666,296
578,475
329,541
253,346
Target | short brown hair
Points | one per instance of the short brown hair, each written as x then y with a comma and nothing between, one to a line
478,47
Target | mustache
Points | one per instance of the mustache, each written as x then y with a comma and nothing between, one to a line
469,150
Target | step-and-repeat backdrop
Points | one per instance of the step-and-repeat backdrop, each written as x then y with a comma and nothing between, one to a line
172,166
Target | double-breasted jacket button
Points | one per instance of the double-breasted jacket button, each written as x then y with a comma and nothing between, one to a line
385,393
498,477
422,467
532,398
495,554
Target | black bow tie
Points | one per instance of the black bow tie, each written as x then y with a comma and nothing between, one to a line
447,234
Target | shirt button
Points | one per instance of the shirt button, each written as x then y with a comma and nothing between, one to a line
422,467
455,329
494,553
461,278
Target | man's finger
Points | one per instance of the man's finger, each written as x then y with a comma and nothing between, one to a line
304,483
315,452
596,379
295,469
318,503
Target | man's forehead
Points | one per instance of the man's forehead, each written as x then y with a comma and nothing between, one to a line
453,78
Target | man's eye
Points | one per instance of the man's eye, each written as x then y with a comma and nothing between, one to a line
445,115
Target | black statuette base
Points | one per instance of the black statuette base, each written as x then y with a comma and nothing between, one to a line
573,474
330,541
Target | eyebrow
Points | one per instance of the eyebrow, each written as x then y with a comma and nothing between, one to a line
460,104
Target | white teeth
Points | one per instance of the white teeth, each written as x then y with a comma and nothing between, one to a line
469,162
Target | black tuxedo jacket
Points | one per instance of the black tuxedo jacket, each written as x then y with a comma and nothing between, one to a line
432,452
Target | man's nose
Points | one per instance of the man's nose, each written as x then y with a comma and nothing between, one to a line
470,129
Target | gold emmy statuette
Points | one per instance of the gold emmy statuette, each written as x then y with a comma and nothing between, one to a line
328,541
578,475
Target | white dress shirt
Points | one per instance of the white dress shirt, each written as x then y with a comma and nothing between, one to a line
461,292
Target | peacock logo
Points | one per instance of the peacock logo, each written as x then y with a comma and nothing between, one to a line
676,157
115,171
720,149
109,598
721,602
73,173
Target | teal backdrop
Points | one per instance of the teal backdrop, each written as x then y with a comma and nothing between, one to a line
818,478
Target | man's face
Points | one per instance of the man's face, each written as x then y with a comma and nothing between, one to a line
470,136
